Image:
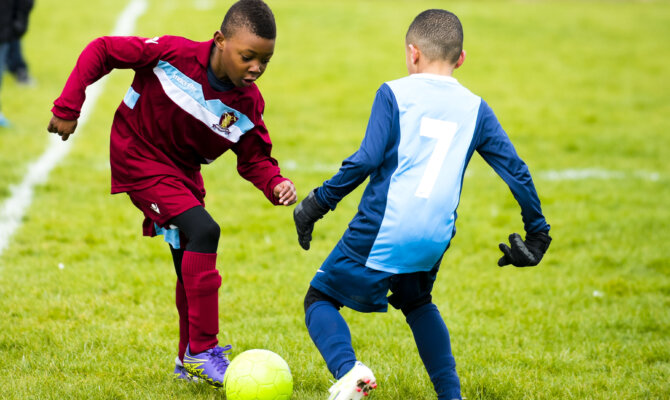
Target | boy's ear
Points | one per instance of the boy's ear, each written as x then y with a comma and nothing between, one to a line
415,54
219,39
461,59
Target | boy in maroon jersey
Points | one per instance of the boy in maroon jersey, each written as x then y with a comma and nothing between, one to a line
189,102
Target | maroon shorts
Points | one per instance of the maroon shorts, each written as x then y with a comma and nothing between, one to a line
163,201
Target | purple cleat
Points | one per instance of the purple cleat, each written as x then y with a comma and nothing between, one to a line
210,365
180,373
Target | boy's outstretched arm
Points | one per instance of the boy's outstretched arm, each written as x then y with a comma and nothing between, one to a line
97,59
256,164
497,150
380,134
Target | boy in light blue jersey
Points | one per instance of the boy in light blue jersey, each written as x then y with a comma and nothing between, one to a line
422,132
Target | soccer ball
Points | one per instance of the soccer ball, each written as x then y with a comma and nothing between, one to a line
258,375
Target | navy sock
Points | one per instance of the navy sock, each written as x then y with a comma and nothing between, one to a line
330,334
432,340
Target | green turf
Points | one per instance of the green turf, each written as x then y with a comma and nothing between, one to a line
578,86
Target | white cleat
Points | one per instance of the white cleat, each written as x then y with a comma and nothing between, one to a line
356,384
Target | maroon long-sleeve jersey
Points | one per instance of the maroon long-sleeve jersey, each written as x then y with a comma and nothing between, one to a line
171,120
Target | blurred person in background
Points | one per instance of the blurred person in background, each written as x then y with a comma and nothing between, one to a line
17,65
13,24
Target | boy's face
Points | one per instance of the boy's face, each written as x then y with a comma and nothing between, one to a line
242,57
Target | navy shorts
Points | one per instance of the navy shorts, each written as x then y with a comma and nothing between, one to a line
365,289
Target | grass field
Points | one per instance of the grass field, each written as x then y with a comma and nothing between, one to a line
582,89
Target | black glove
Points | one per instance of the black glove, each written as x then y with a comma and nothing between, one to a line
524,254
305,214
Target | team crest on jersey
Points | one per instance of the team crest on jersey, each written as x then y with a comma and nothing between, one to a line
226,120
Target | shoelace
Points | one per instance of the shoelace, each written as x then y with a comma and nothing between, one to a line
219,357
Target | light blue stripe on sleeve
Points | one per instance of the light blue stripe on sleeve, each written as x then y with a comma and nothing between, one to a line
131,98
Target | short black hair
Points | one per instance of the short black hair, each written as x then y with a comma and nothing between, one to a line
438,34
254,15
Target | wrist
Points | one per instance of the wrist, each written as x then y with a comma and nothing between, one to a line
538,240
64,113
323,209
311,208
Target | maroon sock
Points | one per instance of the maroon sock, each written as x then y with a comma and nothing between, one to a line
202,282
182,308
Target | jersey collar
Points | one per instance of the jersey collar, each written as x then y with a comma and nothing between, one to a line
425,75
203,52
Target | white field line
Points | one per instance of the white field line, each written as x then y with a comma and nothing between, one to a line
598,173
21,195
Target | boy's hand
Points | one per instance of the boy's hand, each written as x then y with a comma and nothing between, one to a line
285,192
62,127
305,214
524,254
